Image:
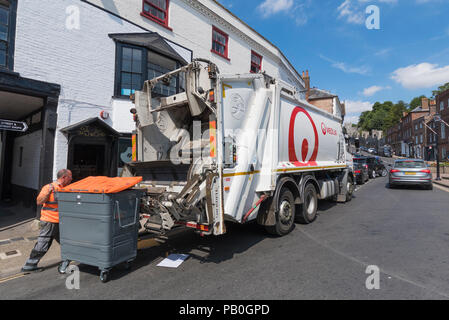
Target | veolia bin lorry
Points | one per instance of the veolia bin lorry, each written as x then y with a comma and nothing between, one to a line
234,148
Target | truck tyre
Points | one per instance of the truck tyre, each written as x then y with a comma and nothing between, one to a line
349,189
285,214
307,213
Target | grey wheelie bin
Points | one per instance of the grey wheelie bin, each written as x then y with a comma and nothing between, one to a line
99,229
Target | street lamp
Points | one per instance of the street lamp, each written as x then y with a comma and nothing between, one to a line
437,120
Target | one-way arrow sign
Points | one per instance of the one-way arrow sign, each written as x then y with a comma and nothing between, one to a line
10,125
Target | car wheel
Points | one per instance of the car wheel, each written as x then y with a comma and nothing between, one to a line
384,172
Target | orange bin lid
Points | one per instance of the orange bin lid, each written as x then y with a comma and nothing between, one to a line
102,185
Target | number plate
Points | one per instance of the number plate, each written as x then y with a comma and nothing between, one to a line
410,173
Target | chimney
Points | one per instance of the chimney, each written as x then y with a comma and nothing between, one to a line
425,104
433,108
307,83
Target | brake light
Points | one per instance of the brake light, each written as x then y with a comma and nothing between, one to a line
394,171
357,171
425,171
366,166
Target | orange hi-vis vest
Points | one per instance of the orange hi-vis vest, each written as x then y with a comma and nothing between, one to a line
49,212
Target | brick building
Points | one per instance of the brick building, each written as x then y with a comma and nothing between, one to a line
442,103
323,99
408,137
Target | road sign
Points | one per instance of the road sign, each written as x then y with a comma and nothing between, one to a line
10,125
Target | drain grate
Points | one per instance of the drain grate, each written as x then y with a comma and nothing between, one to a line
10,254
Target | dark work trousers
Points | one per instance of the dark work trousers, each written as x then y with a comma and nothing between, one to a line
49,232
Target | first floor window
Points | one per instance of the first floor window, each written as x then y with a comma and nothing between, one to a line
131,71
443,131
256,62
159,65
219,42
135,65
156,10
5,27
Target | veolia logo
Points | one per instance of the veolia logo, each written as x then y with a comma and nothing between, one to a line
328,130
306,145
323,128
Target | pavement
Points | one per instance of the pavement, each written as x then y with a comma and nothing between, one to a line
18,234
444,182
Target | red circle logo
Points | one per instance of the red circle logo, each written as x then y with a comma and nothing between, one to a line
323,128
305,145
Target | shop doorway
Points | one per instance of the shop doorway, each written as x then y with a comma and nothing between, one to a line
88,160
92,149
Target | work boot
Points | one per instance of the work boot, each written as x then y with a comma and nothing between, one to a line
31,268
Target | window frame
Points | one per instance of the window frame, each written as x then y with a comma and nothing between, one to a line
251,64
10,43
222,33
118,68
153,18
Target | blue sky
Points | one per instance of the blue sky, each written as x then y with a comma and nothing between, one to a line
408,56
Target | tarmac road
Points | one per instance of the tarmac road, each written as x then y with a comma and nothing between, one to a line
404,232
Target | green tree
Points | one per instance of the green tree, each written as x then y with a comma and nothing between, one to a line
440,90
416,102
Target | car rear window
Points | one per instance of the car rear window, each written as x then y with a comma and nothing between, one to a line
409,164
359,160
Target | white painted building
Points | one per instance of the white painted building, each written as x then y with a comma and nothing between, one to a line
98,52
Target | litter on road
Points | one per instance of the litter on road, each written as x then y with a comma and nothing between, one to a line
173,260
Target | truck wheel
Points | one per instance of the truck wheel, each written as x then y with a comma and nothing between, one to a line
285,214
307,214
349,189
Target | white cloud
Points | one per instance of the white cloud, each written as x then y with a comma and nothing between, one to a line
363,70
368,92
355,108
296,10
271,7
420,76
353,11
383,52
352,119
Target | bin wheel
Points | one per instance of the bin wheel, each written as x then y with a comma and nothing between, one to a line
128,265
62,268
104,276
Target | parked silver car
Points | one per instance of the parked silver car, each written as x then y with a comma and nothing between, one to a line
410,172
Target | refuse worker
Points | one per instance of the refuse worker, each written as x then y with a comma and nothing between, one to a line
49,219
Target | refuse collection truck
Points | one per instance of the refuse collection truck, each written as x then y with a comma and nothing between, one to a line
234,148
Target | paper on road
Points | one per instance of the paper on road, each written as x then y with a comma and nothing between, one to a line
173,260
